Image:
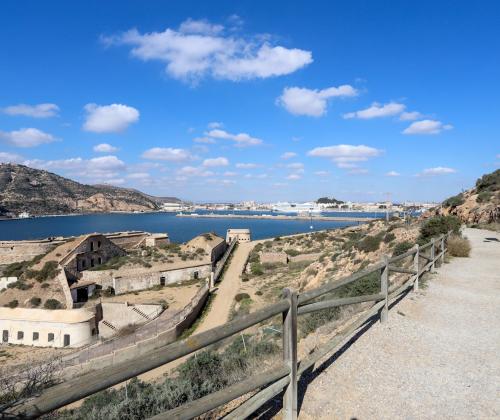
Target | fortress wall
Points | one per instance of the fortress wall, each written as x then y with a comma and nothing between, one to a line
16,251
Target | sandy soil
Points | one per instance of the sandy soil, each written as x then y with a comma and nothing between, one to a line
436,358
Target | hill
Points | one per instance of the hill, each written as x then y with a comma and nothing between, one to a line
38,192
479,205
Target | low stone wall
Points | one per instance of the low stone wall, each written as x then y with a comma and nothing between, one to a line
147,338
305,257
16,251
273,257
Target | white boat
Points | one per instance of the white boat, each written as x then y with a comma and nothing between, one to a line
286,207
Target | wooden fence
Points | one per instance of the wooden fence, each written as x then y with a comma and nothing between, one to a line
273,381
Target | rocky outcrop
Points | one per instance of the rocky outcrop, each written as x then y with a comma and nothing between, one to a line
38,192
479,205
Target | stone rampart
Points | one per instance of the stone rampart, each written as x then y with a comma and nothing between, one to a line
16,251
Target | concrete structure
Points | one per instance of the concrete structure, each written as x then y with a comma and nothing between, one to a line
16,251
156,239
214,246
141,278
242,235
273,257
45,328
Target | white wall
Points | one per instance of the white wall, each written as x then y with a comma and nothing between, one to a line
4,281
80,333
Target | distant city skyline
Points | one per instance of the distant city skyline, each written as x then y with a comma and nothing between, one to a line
254,101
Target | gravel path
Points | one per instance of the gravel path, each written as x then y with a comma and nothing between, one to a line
437,357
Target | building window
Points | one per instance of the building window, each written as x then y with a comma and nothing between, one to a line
50,337
66,340
99,260
91,245
196,275
162,281
35,336
5,336
91,262
20,335
98,244
83,264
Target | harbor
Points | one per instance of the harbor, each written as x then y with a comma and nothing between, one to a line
279,217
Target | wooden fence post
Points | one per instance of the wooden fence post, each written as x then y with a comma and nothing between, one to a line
290,355
384,288
415,268
442,249
433,255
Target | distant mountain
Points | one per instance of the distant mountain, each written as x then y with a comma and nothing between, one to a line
38,192
478,205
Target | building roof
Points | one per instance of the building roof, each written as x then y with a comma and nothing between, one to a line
206,241
66,316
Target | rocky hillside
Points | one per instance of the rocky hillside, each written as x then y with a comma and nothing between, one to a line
479,205
40,192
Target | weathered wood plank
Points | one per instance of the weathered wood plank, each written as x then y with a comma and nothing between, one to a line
290,355
384,289
402,256
317,306
328,287
401,270
88,384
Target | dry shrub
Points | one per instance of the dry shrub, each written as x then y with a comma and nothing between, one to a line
458,246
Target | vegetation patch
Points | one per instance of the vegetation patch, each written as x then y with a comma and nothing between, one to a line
438,225
49,271
458,246
401,248
369,243
52,304
455,201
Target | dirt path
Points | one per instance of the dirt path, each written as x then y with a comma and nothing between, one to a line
438,356
221,306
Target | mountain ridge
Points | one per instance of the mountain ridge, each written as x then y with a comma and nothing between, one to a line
39,192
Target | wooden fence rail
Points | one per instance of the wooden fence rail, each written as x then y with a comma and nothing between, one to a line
269,383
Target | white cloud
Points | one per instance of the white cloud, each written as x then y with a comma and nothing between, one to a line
427,127
296,165
392,173
288,155
105,148
200,49
99,169
202,26
346,155
229,173
312,102
168,154
377,110
205,140
241,139
220,161
35,111
293,177
440,170
112,118
26,137
139,176
247,165
410,116
322,173
189,171
6,157
215,124
358,171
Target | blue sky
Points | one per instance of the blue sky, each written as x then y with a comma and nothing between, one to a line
229,101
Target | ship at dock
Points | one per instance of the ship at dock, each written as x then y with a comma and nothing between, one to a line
300,208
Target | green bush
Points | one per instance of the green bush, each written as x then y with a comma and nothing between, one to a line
458,246
14,269
13,304
389,237
456,200
256,269
369,243
484,196
35,301
489,182
20,284
47,272
439,225
292,252
367,285
401,248
52,304
240,296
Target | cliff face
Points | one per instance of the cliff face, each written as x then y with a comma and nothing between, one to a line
40,192
480,204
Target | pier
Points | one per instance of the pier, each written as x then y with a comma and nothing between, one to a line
279,217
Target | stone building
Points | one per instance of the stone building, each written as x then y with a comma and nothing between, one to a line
47,328
273,257
242,235
214,246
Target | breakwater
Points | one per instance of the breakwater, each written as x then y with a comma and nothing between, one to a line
278,217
